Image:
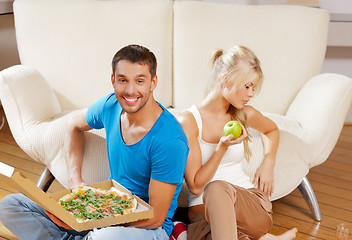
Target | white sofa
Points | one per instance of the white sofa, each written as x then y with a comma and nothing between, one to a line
66,48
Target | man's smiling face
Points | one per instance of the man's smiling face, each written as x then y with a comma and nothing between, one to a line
133,85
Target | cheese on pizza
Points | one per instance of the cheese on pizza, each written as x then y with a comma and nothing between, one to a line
88,203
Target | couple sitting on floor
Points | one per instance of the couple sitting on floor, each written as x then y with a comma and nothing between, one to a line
224,203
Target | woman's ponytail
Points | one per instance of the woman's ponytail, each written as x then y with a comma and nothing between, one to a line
216,55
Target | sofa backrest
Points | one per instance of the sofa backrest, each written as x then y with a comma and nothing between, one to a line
290,42
73,42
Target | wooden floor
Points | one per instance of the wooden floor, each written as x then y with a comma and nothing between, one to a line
331,181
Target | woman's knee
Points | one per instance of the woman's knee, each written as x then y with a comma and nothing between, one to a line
257,227
218,190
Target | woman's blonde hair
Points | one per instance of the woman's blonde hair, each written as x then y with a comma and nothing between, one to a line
237,63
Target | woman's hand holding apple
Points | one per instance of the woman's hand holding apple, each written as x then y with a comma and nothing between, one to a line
234,132
234,128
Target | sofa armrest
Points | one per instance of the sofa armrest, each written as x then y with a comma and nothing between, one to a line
321,108
27,100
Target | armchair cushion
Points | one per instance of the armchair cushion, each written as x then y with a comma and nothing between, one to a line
291,164
37,123
27,100
320,108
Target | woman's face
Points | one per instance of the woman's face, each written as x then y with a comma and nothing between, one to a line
239,96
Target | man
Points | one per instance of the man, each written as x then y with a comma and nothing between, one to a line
147,151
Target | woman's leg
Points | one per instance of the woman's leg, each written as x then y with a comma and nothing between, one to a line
229,209
199,228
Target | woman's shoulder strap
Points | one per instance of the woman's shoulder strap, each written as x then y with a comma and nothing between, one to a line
195,112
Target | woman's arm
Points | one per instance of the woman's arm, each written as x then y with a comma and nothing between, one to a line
196,175
264,176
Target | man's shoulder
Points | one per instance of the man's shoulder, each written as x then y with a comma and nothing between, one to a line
170,122
103,107
109,102
170,129
106,99
110,99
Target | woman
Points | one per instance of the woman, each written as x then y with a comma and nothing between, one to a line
231,206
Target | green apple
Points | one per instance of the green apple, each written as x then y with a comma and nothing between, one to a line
234,128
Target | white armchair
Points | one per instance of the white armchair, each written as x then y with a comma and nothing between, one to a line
66,47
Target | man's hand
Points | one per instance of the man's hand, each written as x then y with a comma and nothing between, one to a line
57,221
76,182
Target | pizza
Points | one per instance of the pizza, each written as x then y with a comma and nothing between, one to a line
88,203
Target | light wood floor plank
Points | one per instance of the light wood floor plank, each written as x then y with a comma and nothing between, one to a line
328,210
335,156
22,163
308,229
329,181
341,167
329,199
303,215
7,138
13,150
343,175
343,151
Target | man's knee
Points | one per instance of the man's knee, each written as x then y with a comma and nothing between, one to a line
119,232
9,200
7,205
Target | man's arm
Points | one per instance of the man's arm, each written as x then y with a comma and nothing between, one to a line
74,146
160,197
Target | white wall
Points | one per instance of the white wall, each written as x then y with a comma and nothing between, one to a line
337,6
5,6
339,59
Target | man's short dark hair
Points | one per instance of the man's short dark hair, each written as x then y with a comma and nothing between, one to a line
136,54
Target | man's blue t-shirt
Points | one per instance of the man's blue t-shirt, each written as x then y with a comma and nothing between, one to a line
161,154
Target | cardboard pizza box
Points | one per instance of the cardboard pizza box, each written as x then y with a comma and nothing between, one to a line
49,201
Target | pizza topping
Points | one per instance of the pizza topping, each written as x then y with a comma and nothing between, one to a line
87,203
